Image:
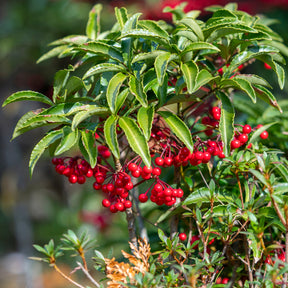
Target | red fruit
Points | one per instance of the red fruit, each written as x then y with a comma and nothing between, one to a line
267,66
110,187
208,132
281,257
113,209
132,167
145,176
168,192
220,71
264,135
67,171
119,183
206,120
206,157
217,116
73,179
199,155
235,144
81,179
168,161
215,110
180,193
128,204
182,236
143,198
136,173
221,154
129,186
60,169
247,129
158,187
106,154
147,170
55,161
100,179
193,239
89,173
120,206
97,186
225,280
106,203
159,161
259,126
249,146
243,138
156,171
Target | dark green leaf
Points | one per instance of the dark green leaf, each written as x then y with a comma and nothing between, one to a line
135,139
178,127
161,65
190,71
27,95
93,25
145,117
113,90
104,67
69,139
226,124
259,176
131,23
41,146
60,80
111,135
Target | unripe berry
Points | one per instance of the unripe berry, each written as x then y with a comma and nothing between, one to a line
182,236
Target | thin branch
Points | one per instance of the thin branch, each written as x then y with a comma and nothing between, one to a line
88,275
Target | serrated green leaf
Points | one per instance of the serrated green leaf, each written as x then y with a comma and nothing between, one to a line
193,26
89,146
137,89
199,46
27,95
257,133
226,123
87,112
135,139
161,92
97,47
131,23
70,40
34,121
121,16
190,71
60,80
103,67
113,90
149,56
69,139
64,109
267,96
152,26
93,24
145,117
161,65
111,135
203,78
56,51
74,84
41,146
254,79
178,127
259,176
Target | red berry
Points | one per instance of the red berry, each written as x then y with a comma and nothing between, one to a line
110,187
128,204
136,173
264,135
97,186
168,192
199,155
215,110
235,144
156,171
180,193
247,129
193,239
206,120
73,178
158,187
182,236
113,209
120,206
168,161
143,198
147,170
221,154
159,161
106,154
132,167
206,157
106,203
281,257
81,179
267,66
129,186
243,138
225,280
89,173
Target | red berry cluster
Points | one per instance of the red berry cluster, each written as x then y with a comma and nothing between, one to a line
75,168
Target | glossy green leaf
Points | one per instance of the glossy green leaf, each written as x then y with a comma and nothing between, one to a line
70,40
100,48
193,26
149,56
74,84
93,25
137,89
64,109
131,23
103,67
153,27
111,135
135,139
178,127
161,92
60,80
121,16
89,111
200,46
121,99
113,90
52,53
187,34
264,94
69,139
89,147
190,71
254,79
203,78
226,123
27,123
161,65
145,117
27,95
257,133
41,146
259,176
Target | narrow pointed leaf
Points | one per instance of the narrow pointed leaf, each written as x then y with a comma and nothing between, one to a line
178,127
194,26
103,67
145,118
137,89
135,139
161,92
257,133
41,146
152,26
89,111
121,99
200,46
161,65
226,124
93,25
89,147
121,16
131,23
27,95
113,90
69,139
111,135
56,51
203,78
264,94
190,72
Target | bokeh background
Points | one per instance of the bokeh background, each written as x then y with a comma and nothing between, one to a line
45,206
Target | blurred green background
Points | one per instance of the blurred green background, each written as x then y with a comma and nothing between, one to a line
35,210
